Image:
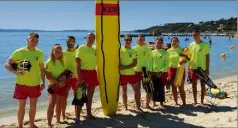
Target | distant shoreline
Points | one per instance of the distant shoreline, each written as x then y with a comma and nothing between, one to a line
122,35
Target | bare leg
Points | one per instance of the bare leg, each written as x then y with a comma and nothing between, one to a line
182,93
32,112
175,94
148,98
90,92
194,86
137,96
58,108
124,96
64,102
21,112
78,111
50,110
203,91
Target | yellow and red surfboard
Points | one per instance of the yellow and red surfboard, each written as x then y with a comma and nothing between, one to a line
107,27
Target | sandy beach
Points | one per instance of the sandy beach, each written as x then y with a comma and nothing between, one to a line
215,112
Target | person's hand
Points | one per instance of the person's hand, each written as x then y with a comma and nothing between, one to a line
149,75
21,73
158,74
42,86
207,72
80,81
61,84
121,67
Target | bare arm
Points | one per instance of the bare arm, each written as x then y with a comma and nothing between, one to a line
8,66
208,63
78,64
50,78
42,71
129,66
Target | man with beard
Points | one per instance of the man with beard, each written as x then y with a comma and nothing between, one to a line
70,64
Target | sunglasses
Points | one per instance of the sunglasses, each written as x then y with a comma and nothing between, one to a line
128,39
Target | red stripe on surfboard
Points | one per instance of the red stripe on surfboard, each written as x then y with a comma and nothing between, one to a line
108,9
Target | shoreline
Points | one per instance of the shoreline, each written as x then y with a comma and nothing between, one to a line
222,83
6,112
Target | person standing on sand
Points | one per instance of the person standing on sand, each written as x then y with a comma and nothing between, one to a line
144,58
128,60
54,68
86,61
174,55
160,64
28,83
199,57
70,64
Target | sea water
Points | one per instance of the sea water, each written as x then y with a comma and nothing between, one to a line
9,41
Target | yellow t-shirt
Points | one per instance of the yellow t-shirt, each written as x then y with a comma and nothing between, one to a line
160,60
33,77
197,54
87,56
144,57
174,54
55,68
126,58
70,62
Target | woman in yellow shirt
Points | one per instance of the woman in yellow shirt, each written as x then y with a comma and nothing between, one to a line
54,67
174,54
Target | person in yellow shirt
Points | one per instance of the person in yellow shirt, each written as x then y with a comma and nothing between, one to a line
54,67
199,57
174,55
86,61
70,64
160,62
28,83
128,60
144,58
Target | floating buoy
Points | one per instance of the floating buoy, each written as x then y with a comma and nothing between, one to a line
223,56
231,47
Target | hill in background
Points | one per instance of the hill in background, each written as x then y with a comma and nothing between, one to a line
221,25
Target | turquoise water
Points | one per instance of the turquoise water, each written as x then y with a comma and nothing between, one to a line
10,41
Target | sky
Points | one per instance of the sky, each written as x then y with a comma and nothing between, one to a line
71,15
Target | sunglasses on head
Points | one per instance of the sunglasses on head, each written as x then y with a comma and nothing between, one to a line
128,39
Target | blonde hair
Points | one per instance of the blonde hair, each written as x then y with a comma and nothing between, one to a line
52,57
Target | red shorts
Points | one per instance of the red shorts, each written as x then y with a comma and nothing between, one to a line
192,74
125,79
23,92
172,74
90,77
61,91
72,83
138,76
164,77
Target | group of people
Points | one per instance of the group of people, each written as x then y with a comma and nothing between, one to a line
161,64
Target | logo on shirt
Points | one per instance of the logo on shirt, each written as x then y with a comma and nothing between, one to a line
145,53
130,54
36,58
200,49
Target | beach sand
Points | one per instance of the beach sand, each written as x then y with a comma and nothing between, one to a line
215,112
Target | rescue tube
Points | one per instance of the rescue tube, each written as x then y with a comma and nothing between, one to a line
107,27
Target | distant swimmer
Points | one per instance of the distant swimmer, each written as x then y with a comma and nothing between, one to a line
210,42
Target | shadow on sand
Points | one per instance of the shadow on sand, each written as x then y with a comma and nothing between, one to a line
162,118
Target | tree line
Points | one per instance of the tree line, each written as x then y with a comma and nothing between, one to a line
221,25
